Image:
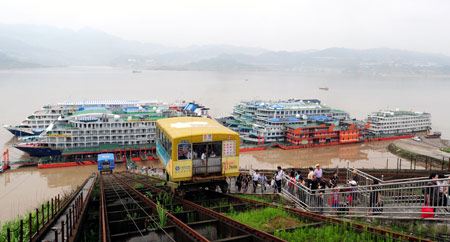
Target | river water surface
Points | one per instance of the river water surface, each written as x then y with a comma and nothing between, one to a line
24,91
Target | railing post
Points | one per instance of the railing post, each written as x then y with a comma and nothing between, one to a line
71,220
21,231
37,221
62,231
43,215
30,226
8,234
415,163
56,235
48,211
67,225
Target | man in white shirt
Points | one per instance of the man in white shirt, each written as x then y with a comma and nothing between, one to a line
255,180
204,155
278,178
318,172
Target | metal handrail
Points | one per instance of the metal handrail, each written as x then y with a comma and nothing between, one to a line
406,197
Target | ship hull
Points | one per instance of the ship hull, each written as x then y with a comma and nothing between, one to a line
39,151
19,132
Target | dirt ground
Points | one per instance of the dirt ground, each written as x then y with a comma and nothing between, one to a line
429,147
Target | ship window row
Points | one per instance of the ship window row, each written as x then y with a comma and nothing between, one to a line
94,144
113,125
113,137
399,121
40,122
107,132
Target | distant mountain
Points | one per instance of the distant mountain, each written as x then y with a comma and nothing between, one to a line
36,45
7,62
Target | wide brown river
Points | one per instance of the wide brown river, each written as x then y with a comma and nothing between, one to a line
24,91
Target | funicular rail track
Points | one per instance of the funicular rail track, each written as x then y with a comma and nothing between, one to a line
126,214
212,225
224,201
131,210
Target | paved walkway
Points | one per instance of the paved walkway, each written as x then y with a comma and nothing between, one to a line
50,236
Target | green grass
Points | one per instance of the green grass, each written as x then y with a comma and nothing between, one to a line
327,233
259,199
138,186
446,150
267,219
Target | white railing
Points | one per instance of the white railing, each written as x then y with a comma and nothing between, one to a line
404,198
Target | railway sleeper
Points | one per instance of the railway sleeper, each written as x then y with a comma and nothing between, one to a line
124,225
118,206
152,235
239,238
118,215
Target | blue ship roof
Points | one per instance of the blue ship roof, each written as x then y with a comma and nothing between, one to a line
190,107
292,119
134,109
91,108
320,118
274,119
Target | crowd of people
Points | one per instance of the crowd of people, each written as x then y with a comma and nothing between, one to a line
342,197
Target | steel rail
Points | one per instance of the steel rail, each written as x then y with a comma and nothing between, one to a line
194,235
103,212
247,229
128,212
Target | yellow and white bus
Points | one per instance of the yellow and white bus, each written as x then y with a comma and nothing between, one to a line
197,151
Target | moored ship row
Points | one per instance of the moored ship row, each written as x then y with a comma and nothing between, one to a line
127,128
37,122
261,123
76,137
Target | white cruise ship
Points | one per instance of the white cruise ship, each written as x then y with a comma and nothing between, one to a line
42,118
94,127
395,122
266,120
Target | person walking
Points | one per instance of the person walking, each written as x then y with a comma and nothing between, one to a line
263,179
332,183
245,182
279,178
239,182
310,177
318,172
255,177
375,199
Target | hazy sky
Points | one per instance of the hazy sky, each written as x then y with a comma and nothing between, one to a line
277,24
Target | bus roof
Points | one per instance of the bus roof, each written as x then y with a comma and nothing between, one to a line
192,126
106,157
